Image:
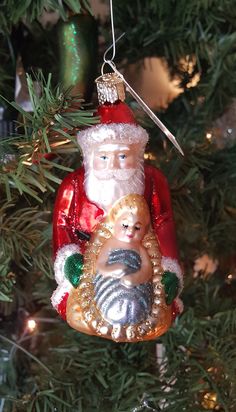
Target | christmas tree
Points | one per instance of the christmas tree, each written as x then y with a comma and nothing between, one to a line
44,364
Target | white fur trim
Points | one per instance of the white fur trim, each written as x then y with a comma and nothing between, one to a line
113,132
172,265
59,293
62,254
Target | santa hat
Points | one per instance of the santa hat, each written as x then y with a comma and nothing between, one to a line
117,122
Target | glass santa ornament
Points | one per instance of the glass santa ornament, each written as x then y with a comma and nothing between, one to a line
116,260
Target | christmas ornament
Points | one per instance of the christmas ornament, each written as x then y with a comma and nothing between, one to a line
77,40
116,260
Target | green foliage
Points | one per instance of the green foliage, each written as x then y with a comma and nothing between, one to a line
12,11
92,374
25,169
51,129
197,31
7,279
23,236
203,186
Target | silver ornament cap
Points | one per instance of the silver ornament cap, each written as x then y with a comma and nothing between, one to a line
110,88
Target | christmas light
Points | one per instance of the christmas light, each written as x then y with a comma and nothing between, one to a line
229,278
31,325
209,136
210,401
149,156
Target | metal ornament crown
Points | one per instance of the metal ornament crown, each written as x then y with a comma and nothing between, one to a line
110,88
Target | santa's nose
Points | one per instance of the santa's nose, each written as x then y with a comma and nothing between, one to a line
113,163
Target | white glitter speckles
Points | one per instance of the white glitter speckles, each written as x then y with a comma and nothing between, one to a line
63,253
141,330
114,132
59,293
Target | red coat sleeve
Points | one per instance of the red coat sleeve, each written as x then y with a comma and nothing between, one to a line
63,210
158,196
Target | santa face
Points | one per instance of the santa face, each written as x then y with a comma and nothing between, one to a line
112,171
112,157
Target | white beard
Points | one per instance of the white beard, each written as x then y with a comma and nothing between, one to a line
105,187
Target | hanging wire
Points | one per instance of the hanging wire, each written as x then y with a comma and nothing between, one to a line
105,61
113,46
144,106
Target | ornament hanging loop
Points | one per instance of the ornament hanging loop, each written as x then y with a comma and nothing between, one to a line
110,63
105,60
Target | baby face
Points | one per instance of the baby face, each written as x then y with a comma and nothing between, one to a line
129,228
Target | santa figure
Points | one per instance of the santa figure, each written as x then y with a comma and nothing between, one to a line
113,167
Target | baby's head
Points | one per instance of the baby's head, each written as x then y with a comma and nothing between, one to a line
130,218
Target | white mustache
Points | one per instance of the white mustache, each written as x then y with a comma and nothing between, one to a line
118,174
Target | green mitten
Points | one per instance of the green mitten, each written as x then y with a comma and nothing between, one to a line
73,268
171,285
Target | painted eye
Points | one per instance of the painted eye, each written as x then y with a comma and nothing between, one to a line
125,226
137,227
103,157
122,156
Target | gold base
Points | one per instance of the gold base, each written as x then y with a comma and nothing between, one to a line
148,330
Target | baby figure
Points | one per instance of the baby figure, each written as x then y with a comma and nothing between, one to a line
122,284
123,255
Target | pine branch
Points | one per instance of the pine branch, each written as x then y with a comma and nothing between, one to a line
7,279
13,11
198,30
94,374
22,236
51,129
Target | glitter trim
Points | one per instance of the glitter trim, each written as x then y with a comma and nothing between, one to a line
62,254
114,132
173,266
59,293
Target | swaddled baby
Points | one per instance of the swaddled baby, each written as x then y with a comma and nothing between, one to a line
123,290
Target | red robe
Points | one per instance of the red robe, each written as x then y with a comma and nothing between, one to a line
73,211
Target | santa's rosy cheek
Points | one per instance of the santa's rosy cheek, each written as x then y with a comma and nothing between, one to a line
100,163
129,162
